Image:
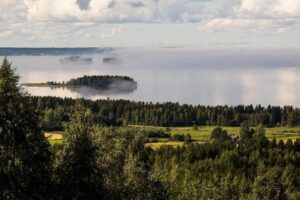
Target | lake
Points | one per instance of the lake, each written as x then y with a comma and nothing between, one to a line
184,75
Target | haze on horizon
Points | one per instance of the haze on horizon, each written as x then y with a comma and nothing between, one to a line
117,23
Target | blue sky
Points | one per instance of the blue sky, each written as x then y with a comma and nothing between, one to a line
118,23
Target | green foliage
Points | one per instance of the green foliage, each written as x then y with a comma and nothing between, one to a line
102,82
122,112
122,152
247,170
297,145
24,152
195,127
177,137
219,134
78,175
157,134
268,185
245,131
188,138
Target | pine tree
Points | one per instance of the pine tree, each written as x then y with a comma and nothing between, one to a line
78,174
245,131
24,151
260,137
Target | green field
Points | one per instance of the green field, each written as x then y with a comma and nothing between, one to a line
202,134
52,142
54,137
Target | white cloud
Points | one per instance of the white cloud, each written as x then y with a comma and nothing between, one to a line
43,10
146,11
269,8
9,2
12,10
45,19
5,33
256,16
113,11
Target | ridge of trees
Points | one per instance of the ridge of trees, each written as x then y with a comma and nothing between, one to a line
124,112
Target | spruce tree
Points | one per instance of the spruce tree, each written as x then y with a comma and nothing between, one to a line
78,174
24,151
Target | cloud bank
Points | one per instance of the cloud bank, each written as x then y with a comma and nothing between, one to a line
214,15
114,11
104,19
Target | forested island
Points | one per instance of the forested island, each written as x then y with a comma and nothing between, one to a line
109,59
76,60
102,157
105,82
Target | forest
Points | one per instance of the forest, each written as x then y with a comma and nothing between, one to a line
124,112
100,82
95,161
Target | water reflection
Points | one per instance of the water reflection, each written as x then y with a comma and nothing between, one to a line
209,77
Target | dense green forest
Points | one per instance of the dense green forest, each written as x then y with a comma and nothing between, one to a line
101,82
123,112
95,162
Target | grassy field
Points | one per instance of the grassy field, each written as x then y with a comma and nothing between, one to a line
201,134
54,137
159,144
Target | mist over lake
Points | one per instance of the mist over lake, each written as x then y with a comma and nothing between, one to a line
184,75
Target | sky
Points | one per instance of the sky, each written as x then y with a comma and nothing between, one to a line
150,23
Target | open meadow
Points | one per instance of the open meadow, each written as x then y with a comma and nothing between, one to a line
202,134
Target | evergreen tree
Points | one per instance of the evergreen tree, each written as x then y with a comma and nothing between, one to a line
268,185
260,138
281,145
218,134
188,138
78,174
245,131
297,144
273,143
24,151
289,145
138,183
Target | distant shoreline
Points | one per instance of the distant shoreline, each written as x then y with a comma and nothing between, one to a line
11,51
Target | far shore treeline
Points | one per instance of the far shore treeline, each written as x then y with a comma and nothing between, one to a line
124,112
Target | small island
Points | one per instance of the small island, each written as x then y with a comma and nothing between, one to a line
109,59
76,60
101,83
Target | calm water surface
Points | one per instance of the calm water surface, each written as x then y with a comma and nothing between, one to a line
192,76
